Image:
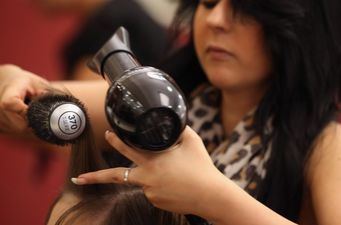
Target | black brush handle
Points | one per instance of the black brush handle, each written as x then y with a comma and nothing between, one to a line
196,220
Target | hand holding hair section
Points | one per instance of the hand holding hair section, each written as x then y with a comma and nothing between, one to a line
57,118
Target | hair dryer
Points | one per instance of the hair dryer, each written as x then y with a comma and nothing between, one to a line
144,106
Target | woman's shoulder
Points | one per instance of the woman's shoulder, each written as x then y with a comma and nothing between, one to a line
326,148
327,141
62,204
330,134
323,175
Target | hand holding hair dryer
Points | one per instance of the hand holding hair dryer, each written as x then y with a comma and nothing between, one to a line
144,106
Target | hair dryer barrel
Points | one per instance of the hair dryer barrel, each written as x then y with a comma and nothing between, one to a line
144,105
114,58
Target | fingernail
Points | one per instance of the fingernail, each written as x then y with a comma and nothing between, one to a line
78,181
107,133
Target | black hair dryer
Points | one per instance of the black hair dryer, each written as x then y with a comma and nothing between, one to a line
144,106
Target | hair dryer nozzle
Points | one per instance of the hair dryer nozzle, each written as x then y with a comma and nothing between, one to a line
119,42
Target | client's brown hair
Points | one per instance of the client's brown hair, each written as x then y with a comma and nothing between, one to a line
106,204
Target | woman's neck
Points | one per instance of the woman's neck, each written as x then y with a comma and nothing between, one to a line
235,105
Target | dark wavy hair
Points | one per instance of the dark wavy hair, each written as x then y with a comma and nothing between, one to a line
305,85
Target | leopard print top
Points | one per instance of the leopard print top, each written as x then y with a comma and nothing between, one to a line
241,156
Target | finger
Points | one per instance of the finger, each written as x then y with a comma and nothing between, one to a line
189,135
26,87
192,141
15,105
113,175
13,114
134,155
13,98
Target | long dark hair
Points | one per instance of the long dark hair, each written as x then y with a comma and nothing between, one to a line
303,98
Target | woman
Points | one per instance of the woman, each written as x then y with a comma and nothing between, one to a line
271,59
267,118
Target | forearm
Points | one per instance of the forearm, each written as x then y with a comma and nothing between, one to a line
227,204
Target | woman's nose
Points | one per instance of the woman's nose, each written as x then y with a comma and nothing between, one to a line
221,18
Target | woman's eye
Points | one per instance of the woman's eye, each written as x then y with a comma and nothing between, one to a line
208,4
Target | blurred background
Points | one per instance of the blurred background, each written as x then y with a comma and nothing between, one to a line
34,34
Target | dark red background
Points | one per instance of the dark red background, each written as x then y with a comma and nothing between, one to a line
30,177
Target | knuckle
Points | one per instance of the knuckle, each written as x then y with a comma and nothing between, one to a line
115,179
21,128
9,67
5,104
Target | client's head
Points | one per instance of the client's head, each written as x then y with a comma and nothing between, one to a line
126,205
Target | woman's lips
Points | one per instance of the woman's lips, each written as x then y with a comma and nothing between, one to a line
217,53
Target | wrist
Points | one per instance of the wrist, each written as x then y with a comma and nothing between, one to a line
226,203
211,200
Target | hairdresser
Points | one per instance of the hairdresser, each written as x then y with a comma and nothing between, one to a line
263,145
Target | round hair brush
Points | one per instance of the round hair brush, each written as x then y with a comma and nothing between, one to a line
57,118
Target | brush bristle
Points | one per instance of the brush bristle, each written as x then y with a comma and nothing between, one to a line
39,111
